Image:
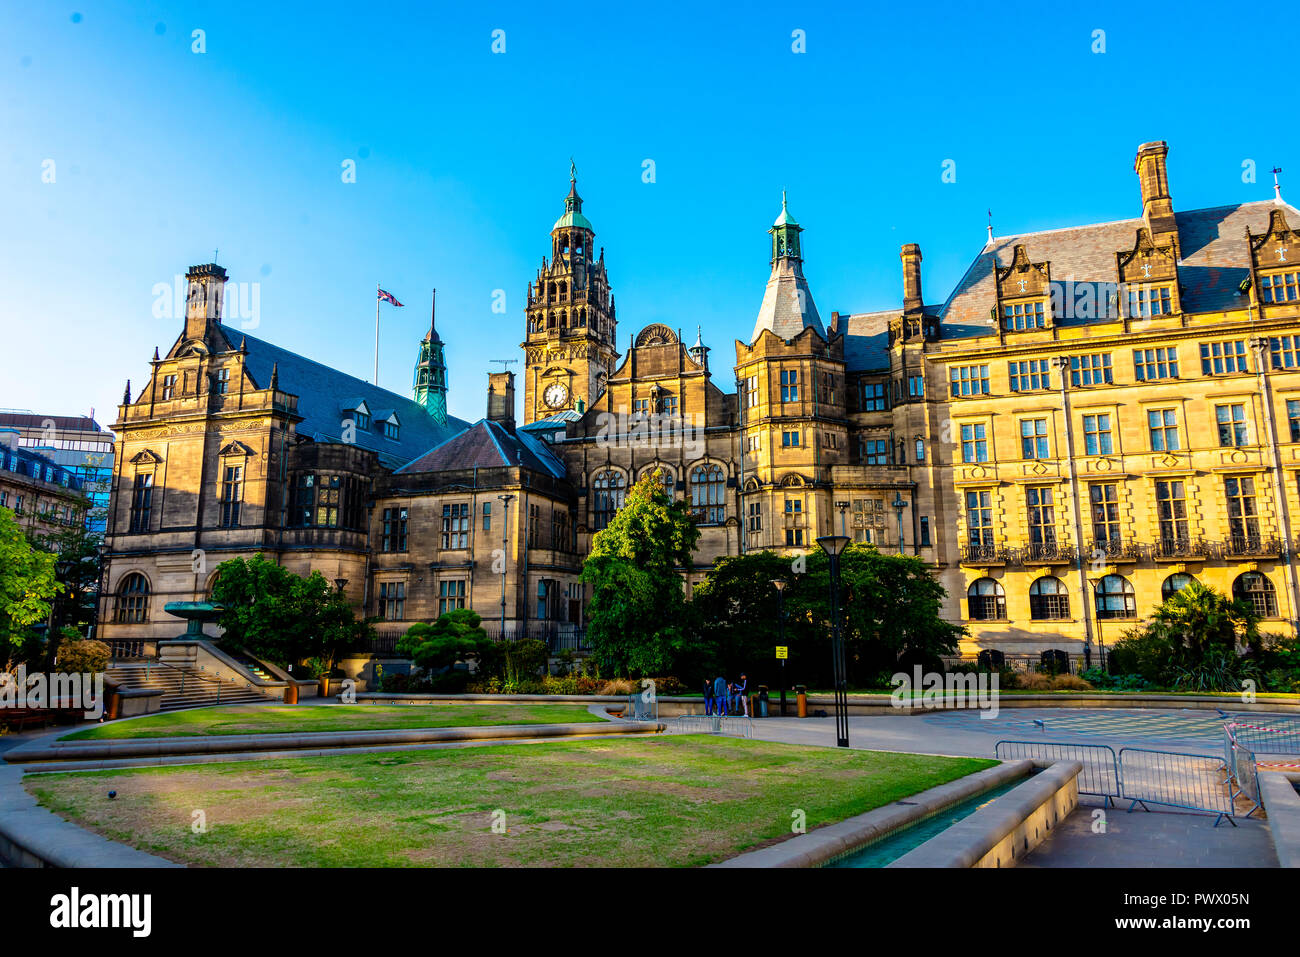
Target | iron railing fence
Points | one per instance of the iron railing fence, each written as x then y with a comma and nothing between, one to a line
1062,662
558,636
1124,550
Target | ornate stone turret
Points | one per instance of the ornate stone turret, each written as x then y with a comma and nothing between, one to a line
788,306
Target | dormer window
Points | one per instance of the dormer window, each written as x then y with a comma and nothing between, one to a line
390,429
168,387
1019,316
1280,287
1147,301
223,381
361,420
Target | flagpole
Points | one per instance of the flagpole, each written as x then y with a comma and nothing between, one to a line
376,333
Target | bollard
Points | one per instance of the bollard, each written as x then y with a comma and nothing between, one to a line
801,700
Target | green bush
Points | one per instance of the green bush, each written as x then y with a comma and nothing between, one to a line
82,657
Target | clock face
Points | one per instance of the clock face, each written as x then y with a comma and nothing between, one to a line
555,395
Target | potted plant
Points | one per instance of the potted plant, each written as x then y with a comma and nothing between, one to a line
319,669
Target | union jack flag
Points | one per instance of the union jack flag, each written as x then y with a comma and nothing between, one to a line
389,297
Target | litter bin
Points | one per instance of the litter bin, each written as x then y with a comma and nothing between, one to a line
801,700
291,693
760,708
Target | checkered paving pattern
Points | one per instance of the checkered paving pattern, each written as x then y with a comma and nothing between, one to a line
1180,725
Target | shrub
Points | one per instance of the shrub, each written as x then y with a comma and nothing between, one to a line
617,686
83,657
1030,681
1282,679
1070,683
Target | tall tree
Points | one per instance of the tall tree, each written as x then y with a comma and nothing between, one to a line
891,606
76,566
636,618
273,613
27,585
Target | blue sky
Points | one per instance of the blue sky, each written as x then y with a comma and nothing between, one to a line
161,155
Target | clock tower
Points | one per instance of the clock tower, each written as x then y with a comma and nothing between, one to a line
569,352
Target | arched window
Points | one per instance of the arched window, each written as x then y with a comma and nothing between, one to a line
986,600
132,599
1172,585
1256,589
1115,599
665,475
920,450
1048,599
608,489
707,494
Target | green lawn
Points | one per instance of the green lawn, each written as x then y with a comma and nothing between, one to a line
297,719
670,800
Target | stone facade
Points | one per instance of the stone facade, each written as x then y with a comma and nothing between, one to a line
1092,416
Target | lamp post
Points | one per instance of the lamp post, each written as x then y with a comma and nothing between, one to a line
102,550
505,536
899,505
1096,607
340,584
779,584
833,545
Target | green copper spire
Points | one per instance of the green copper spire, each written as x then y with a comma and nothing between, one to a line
785,235
430,385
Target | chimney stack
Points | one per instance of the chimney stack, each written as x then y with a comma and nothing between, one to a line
911,256
501,399
1157,206
206,286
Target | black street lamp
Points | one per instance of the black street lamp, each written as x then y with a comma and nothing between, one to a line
833,545
779,584
102,550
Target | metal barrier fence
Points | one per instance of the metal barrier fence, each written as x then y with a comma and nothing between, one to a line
1197,782
1244,741
712,724
639,709
1100,774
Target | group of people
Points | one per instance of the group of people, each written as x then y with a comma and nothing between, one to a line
726,697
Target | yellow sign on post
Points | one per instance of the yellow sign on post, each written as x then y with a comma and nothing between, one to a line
782,651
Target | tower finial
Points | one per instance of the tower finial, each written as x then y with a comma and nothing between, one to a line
1277,187
990,227
573,171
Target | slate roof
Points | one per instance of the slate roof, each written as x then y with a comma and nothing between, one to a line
1212,241
488,444
866,339
788,306
325,394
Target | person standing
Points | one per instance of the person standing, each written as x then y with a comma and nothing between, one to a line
708,697
720,694
741,705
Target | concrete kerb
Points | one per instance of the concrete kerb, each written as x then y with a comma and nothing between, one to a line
31,836
877,704
1006,828
41,750
1282,805
825,843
